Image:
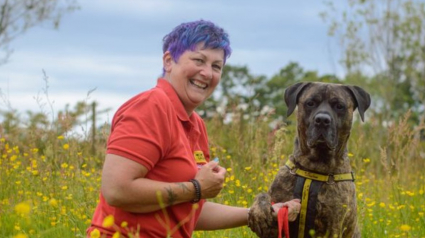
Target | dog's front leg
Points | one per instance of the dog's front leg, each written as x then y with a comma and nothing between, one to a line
262,219
282,188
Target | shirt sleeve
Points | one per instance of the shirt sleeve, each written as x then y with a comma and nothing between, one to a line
141,130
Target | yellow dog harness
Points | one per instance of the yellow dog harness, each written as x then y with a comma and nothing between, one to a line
307,188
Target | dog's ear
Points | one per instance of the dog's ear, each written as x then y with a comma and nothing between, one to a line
361,99
292,94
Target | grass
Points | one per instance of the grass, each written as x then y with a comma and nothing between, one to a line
49,180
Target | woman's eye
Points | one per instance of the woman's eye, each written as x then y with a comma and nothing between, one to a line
218,67
199,60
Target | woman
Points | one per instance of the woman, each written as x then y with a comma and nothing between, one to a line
157,172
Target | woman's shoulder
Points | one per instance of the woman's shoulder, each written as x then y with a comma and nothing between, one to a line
152,97
148,103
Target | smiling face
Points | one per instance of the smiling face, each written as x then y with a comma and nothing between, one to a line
195,75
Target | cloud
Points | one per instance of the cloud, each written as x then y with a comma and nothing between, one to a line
80,71
130,8
115,45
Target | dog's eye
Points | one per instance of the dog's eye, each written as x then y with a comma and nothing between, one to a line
339,106
310,103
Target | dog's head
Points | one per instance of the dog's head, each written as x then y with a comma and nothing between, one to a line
325,114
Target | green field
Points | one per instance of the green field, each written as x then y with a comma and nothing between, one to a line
49,182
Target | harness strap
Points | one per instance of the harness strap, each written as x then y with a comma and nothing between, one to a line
319,177
304,204
307,187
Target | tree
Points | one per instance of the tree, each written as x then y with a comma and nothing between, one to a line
383,42
242,94
236,92
17,16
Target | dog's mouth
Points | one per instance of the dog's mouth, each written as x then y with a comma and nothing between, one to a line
323,140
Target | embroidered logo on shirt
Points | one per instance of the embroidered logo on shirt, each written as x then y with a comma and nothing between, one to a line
199,157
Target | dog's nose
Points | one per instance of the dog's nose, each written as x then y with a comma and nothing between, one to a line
322,120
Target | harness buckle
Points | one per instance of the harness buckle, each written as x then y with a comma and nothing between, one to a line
331,179
292,170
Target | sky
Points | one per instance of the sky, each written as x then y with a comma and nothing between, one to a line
111,50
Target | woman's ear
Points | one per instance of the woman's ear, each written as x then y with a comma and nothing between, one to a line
167,61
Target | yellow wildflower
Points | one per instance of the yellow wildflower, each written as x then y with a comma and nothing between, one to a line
95,233
108,221
405,227
53,202
124,224
66,146
23,208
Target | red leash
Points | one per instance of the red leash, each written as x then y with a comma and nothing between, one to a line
282,222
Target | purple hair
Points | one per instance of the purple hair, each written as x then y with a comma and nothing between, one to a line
187,35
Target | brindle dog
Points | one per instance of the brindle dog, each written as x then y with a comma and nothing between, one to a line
325,114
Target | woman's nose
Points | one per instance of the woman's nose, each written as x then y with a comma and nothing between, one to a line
207,72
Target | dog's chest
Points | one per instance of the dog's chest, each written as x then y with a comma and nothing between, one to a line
320,201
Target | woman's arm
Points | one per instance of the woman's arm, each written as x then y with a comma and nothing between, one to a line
217,216
124,186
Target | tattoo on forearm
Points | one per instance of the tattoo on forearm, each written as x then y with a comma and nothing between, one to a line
183,187
172,197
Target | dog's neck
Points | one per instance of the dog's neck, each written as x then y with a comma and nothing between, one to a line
330,161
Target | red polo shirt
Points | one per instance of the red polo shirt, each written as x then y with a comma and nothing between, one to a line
154,130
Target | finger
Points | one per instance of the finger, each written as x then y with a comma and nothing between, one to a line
275,213
275,208
293,204
216,168
211,164
220,170
292,217
296,200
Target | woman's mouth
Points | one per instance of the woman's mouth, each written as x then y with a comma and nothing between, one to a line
198,84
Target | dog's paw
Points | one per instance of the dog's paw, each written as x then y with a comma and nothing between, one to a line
261,219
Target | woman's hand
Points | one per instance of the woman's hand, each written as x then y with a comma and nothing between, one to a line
211,179
293,205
